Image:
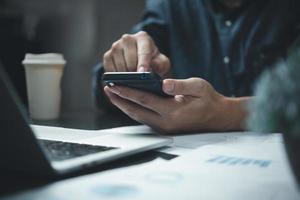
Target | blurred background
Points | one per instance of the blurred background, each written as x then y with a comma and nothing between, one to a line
82,30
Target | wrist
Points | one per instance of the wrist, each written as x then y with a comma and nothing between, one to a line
232,113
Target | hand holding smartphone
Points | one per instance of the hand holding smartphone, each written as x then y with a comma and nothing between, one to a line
146,81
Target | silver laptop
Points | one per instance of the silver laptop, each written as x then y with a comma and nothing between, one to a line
21,151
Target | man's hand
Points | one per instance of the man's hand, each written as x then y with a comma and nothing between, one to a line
196,106
135,53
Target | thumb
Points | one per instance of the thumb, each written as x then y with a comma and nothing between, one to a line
191,87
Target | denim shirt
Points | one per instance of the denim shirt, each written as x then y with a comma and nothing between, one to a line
228,48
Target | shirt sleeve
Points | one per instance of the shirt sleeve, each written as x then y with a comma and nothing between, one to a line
155,24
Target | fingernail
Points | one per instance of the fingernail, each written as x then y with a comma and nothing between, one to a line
141,69
114,90
110,84
169,86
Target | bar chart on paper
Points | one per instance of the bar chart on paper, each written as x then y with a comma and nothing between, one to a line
232,161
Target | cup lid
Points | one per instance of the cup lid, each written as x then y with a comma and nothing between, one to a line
47,58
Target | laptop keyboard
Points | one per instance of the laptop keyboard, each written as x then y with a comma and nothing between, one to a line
59,151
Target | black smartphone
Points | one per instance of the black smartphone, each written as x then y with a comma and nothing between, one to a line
146,81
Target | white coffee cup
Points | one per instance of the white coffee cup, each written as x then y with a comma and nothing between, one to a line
43,79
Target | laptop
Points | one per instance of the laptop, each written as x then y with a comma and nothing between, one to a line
22,151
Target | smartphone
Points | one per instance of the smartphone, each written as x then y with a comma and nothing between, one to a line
146,81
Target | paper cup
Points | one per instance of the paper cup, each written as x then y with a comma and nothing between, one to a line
43,79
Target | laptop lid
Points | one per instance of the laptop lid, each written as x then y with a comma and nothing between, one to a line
19,150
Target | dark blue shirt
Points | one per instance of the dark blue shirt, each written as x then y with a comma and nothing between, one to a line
228,48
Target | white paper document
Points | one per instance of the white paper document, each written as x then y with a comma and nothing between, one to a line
216,167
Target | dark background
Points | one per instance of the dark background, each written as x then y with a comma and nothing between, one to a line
80,29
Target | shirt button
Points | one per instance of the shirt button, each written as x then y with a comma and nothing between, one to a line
228,23
226,60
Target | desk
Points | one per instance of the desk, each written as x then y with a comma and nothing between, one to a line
182,177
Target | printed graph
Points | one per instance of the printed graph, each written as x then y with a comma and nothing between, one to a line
231,161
